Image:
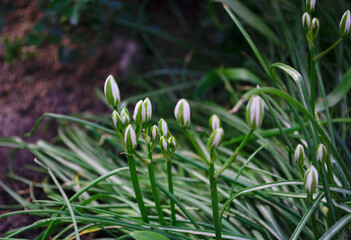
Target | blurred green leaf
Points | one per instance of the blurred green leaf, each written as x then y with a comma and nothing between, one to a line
212,79
338,93
147,235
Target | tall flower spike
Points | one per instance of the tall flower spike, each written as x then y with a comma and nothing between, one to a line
345,23
299,154
215,122
306,21
182,113
148,109
310,5
215,138
130,138
139,113
125,116
311,180
163,127
255,112
117,122
322,154
111,91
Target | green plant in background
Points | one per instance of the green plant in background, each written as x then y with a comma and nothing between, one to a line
289,180
12,49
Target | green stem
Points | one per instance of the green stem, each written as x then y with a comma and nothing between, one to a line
214,198
136,186
313,217
312,78
320,55
170,189
154,187
197,148
234,155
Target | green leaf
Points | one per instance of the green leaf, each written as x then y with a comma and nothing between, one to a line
147,235
253,20
211,79
336,227
338,93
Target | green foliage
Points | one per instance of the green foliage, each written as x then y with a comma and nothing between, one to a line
12,49
147,235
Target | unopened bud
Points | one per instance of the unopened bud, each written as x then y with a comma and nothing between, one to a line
125,116
139,113
310,5
322,154
315,26
111,91
148,109
255,112
306,21
182,113
215,122
164,146
154,136
117,122
345,23
130,138
299,154
215,138
172,145
163,128
311,180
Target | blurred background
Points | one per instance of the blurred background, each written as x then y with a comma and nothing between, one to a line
56,54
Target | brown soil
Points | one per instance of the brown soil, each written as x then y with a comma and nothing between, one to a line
33,87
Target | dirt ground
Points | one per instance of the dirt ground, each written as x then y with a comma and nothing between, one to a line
30,88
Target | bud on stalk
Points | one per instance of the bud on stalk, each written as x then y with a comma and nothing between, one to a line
111,91
345,23
311,180
322,154
215,138
255,112
299,154
130,138
182,113
315,26
117,122
215,122
139,113
125,117
163,127
148,109
164,145
306,21
172,145
310,5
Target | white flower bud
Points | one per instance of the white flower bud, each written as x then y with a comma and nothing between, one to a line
182,113
172,145
215,122
154,133
164,146
311,180
322,154
345,23
306,21
255,112
111,91
163,127
117,123
315,26
130,138
139,113
215,138
148,109
125,117
299,154
310,5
